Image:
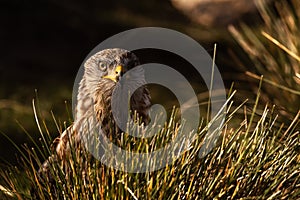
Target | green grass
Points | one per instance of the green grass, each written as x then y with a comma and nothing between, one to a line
255,160
274,49
255,157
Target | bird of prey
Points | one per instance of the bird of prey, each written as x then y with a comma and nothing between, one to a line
102,73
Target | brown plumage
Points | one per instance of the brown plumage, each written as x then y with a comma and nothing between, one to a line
93,107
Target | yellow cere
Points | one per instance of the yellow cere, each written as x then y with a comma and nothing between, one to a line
113,76
119,69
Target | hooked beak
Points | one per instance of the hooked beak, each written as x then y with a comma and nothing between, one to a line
114,75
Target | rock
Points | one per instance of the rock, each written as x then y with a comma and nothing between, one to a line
212,13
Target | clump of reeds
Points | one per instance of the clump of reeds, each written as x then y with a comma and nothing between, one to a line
255,160
274,49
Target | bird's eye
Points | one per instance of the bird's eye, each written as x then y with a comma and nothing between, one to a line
102,66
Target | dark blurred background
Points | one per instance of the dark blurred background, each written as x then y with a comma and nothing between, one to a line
43,44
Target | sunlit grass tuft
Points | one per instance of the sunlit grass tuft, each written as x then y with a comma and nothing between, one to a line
274,49
255,160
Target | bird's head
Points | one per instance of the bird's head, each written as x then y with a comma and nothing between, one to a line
108,72
109,65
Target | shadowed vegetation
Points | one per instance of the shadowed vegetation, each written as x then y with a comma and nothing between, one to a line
253,160
256,156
